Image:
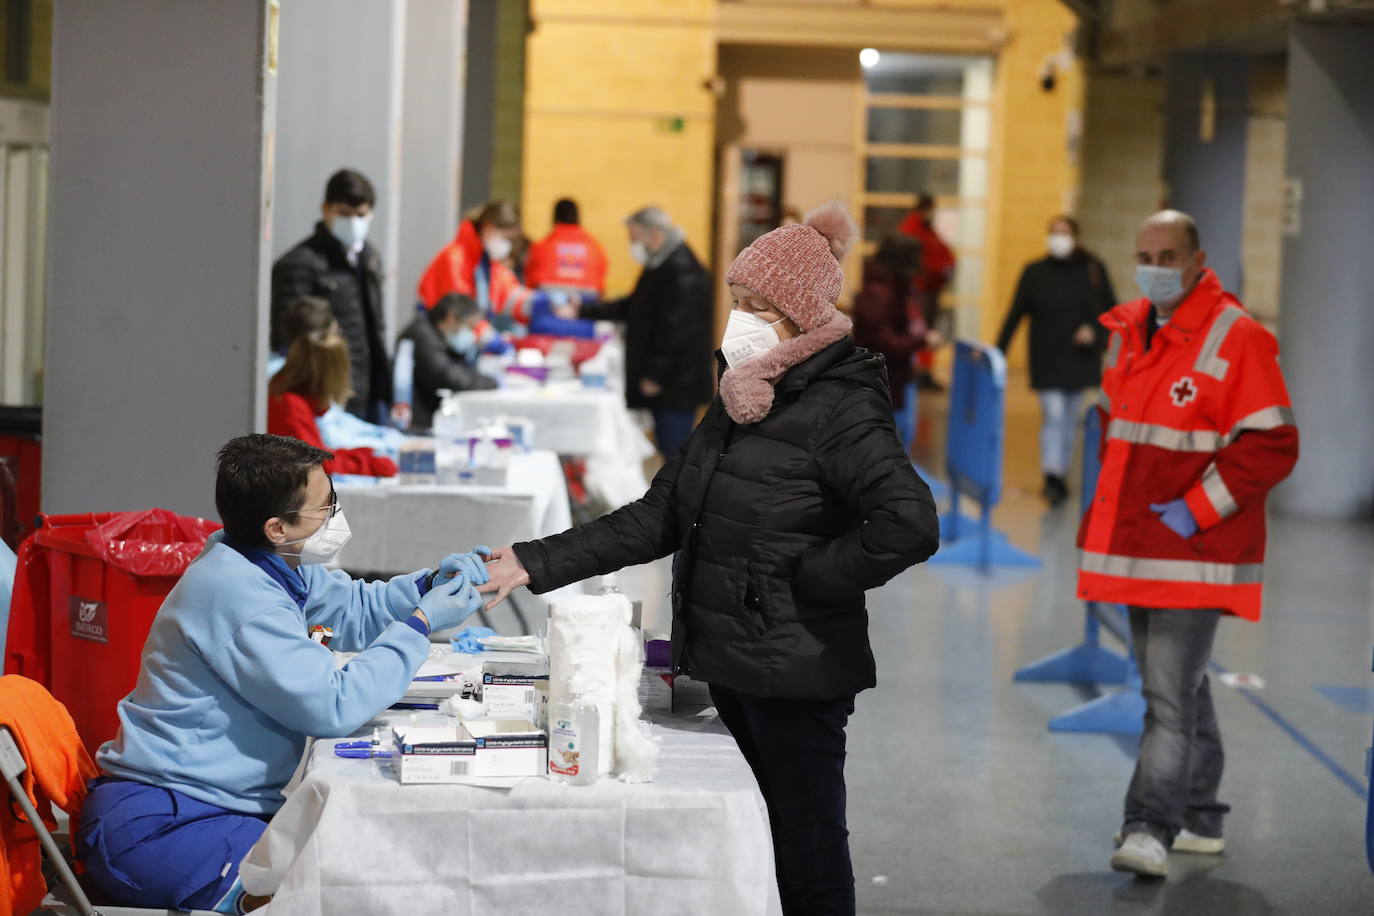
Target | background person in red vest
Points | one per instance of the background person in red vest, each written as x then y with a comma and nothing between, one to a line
569,259
937,267
1198,428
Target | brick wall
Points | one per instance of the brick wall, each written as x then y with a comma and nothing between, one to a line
1122,165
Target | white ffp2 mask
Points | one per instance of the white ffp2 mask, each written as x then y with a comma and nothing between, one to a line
747,336
324,545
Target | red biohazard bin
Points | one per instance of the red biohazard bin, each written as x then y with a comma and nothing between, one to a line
86,591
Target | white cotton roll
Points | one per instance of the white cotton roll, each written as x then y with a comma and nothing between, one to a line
584,645
636,754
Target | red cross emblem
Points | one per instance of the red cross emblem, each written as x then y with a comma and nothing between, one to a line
1183,391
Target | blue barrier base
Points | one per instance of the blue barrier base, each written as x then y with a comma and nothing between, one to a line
1083,664
966,525
1120,713
970,550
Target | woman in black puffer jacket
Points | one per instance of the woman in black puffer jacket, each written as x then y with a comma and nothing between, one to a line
791,499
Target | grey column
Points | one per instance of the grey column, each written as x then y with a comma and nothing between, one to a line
157,318
431,138
1207,176
339,106
1327,311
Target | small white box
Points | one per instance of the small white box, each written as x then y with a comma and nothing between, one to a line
516,690
690,697
509,747
434,754
656,691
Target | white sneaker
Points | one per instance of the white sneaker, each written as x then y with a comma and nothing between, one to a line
1143,855
1187,841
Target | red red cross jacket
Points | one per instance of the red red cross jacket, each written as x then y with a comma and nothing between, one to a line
1202,415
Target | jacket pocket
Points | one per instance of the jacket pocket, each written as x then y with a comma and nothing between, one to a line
751,601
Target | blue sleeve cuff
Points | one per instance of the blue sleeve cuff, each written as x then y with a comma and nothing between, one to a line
416,624
424,582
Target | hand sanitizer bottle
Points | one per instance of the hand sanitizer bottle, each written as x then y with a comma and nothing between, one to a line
574,741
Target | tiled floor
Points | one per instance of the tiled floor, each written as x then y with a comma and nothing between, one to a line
961,801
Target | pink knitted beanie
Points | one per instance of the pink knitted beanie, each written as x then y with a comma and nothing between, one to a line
797,268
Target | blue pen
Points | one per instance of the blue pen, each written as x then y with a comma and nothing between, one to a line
436,677
359,753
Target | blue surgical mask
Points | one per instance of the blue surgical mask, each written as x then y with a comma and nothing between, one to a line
351,231
1163,286
463,341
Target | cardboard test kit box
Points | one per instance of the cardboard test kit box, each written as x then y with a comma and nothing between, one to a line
471,749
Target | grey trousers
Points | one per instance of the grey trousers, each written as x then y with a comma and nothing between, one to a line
1181,758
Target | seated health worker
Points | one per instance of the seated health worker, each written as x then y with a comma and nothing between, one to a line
446,341
314,377
232,682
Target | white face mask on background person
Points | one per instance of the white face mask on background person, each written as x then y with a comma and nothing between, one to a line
640,252
1163,286
1061,245
747,336
497,247
324,545
351,231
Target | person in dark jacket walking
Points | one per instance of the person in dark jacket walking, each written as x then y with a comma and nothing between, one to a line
668,328
889,318
1063,294
337,263
446,347
790,500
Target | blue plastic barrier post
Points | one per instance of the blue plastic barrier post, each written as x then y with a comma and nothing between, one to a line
1087,662
1369,815
973,461
1121,712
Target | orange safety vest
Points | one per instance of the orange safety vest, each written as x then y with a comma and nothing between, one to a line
1202,415
568,258
454,270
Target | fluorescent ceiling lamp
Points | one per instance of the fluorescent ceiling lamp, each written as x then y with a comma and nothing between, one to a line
869,58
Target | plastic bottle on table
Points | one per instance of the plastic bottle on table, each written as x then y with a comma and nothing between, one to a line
450,445
574,741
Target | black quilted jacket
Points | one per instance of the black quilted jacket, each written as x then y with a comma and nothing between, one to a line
779,528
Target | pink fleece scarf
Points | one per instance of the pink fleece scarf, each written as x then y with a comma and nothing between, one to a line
748,390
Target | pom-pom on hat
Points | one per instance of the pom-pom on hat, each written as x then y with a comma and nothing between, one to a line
797,268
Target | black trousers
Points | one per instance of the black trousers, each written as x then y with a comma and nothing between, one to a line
796,750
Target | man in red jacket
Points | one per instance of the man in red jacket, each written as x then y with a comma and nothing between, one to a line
936,269
569,259
1198,427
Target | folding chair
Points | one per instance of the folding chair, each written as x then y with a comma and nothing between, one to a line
70,899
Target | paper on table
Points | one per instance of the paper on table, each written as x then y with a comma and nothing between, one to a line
437,669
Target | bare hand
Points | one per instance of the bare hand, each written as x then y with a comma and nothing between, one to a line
934,339
507,574
567,311
650,388
1084,336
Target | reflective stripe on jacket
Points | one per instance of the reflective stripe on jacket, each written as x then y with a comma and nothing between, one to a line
1202,415
454,269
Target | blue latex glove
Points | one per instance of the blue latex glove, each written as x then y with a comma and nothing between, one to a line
1177,517
469,640
472,565
449,603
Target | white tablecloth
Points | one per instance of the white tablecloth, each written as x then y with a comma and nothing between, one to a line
590,423
351,839
400,528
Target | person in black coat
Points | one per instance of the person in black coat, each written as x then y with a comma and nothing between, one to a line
1063,294
446,346
668,329
791,499
336,263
